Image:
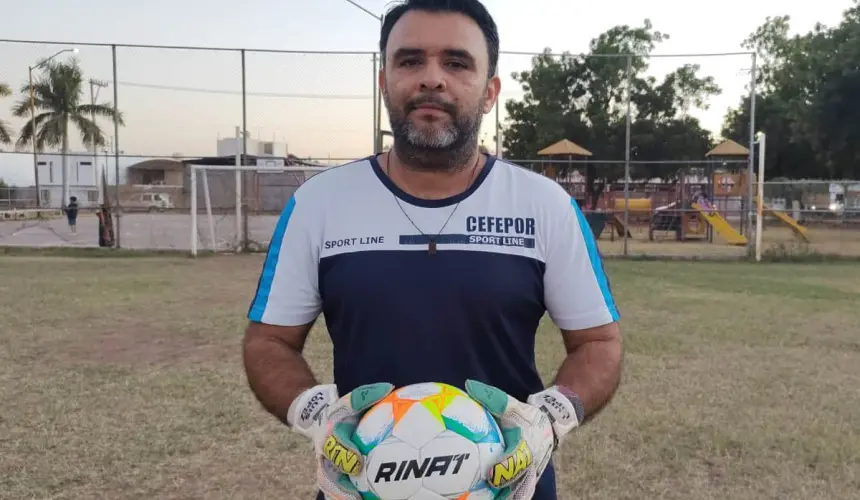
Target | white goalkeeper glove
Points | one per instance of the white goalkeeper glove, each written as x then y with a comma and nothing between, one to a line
532,432
328,420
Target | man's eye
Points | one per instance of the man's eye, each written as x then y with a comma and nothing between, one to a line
409,62
457,64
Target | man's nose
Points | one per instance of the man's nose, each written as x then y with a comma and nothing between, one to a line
433,78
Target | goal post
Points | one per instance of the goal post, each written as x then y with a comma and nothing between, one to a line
223,199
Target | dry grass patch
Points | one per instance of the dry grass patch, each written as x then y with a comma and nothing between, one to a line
123,379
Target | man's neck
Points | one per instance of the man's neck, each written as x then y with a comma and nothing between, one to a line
429,184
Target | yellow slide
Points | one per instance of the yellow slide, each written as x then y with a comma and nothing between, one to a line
721,226
789,221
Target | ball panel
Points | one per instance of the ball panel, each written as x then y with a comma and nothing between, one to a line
482,492
417,392
453,466
391,469
495,432
466,417
417,426
373,427
425,494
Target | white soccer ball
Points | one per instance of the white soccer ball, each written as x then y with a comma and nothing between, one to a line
427,441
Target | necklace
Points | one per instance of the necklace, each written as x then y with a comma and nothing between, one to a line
431,246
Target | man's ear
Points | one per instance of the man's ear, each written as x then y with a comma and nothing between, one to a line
491,97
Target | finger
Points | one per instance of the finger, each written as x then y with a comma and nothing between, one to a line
525,489
339,450
515,464
334,485
358,400
507,409
495,400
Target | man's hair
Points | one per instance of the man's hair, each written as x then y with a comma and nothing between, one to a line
472,9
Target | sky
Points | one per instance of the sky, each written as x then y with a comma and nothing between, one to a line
180,102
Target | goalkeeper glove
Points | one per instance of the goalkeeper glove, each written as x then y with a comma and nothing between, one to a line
328,420
532,432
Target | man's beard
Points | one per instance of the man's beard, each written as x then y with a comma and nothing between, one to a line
436,148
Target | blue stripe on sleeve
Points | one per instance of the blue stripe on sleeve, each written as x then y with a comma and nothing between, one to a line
264,285
596,260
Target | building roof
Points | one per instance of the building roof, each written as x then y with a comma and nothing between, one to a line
728,148
251,160
159,164
564,147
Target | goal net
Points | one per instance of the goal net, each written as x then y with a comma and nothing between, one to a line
234,208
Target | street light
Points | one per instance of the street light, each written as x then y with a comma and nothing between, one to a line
33,122
365,10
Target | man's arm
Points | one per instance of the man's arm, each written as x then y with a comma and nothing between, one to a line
276,370
580,302
592,368
285,306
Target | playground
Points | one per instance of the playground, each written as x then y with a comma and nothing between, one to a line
700,208
738,383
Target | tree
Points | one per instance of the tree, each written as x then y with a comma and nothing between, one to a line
58,96
5,136
807,98
583,98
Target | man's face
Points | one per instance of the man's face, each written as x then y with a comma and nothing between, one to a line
435,83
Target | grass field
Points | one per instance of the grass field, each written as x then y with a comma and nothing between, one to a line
122,378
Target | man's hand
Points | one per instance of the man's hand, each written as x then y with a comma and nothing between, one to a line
532,432
328,420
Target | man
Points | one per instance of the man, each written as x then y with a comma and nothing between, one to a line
72,214
434,262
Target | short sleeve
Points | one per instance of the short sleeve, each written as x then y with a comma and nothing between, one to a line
287,290
577,293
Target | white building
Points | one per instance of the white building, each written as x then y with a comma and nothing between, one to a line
230,146
82,177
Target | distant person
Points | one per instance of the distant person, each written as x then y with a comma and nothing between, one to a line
72,214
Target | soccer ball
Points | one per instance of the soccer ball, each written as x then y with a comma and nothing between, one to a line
427,441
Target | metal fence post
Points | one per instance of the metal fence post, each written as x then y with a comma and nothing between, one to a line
245,229
498,120
116,148
375,82
750,170
627,154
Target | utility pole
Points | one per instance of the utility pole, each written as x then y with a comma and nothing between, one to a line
93,96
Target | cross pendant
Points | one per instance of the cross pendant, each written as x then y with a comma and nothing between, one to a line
431,248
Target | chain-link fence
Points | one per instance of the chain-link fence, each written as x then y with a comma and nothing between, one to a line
181,105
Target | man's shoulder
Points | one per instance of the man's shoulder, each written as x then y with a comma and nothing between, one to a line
535,188
334,182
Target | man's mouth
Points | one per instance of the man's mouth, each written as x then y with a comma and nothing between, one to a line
431,107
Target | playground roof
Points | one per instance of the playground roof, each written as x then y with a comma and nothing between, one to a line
564,147
159,164
728,148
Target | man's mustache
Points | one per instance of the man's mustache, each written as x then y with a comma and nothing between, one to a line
447,107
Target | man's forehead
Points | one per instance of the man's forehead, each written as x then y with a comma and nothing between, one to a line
433,32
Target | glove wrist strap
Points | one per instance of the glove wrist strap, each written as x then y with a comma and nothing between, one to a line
563,408
307,408
574,400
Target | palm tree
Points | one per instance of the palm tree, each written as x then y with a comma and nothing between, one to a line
5,136
58,99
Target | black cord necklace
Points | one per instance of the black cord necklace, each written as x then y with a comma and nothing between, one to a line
431,247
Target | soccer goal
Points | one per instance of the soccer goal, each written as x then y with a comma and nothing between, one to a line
237,207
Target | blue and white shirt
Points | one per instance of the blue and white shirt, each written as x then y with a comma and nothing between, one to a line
516,247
